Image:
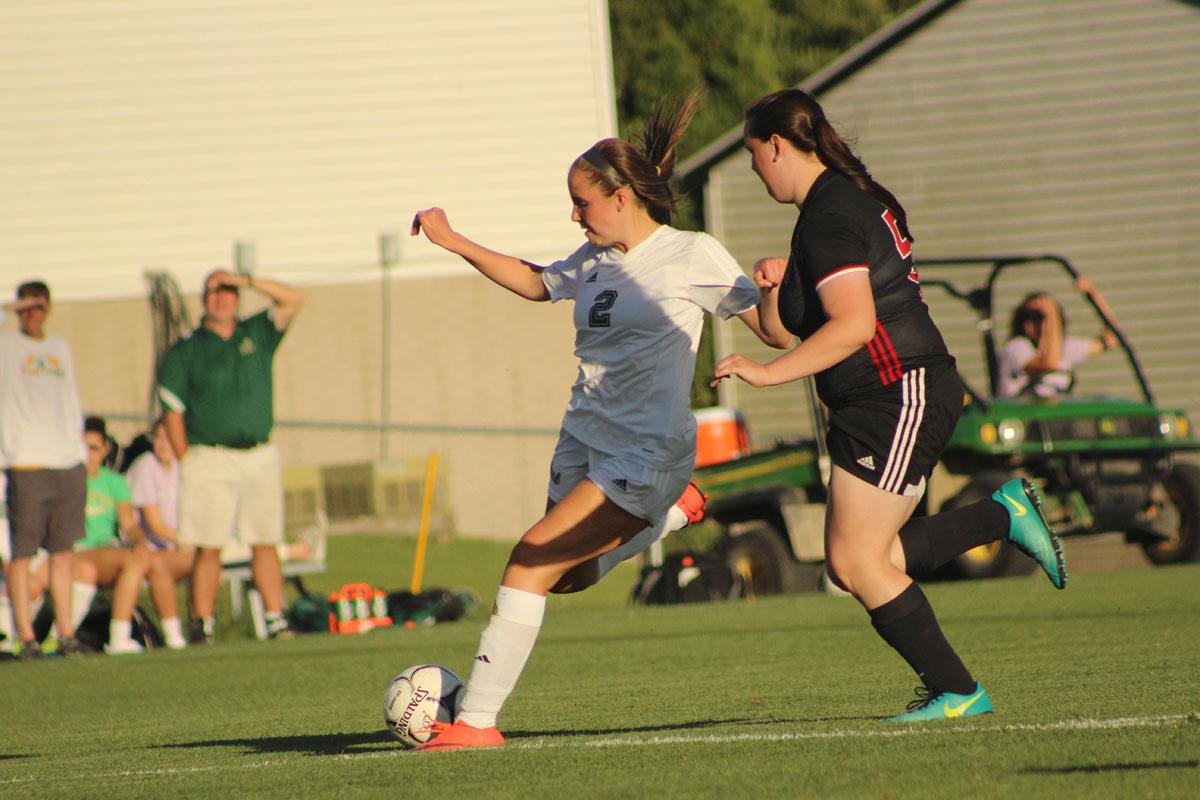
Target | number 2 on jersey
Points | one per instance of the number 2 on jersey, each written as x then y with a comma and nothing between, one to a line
903,246
598,317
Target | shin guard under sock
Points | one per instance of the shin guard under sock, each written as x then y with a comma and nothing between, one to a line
908,624
930,542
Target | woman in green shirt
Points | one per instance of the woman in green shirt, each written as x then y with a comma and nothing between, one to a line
102,558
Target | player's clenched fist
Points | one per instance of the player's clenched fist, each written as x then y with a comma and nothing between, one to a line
435,225
768,272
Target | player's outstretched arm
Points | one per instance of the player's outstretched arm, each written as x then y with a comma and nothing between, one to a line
519,277
850,312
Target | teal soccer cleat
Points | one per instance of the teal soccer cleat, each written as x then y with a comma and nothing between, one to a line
944,705
1029,531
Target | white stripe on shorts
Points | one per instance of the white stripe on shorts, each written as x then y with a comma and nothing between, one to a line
912,411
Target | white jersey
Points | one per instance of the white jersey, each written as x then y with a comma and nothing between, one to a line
638,317
41,423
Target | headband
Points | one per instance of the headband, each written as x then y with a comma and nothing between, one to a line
598,162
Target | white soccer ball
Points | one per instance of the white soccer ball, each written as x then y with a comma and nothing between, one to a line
419,696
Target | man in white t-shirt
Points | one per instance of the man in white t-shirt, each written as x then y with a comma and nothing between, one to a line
1039,358
41,444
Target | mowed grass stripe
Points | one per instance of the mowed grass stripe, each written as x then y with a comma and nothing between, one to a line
658,741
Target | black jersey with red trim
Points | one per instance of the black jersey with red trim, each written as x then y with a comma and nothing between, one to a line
842,230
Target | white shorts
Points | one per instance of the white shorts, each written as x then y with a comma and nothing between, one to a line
642,490
227,494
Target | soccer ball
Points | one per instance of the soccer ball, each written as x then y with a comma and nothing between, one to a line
419,696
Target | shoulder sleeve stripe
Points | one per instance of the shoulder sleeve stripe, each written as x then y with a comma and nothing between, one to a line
840,271
171,400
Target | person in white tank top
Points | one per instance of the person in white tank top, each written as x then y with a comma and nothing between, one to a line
627,444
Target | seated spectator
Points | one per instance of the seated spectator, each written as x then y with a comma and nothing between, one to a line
154,486
1039,357
101,557
153,478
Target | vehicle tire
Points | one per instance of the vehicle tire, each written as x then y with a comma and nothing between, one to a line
990,560
762,561
1183,491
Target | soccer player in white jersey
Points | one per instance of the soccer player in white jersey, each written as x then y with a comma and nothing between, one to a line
628,439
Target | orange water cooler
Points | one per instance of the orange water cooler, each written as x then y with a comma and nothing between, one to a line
720,435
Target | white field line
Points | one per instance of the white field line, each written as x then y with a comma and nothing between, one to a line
655,741
908,730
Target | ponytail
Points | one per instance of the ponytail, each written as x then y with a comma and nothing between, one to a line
647,166
796,116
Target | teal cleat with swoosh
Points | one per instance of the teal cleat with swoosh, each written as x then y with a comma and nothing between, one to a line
1028,530
944,705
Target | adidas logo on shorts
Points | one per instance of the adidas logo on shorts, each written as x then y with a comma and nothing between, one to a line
592,277
867,462
621,484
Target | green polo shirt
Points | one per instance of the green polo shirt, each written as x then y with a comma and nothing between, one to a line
223,387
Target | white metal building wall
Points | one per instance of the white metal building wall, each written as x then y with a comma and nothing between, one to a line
145,134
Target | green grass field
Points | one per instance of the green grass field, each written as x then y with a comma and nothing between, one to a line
1096,693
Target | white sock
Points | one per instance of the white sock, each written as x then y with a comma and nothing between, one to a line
7,626
673,521
504,647
173,632
119,631
81,601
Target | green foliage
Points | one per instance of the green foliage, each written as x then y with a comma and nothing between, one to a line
735,50
775,698
667,49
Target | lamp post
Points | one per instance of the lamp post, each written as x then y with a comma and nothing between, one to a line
389,255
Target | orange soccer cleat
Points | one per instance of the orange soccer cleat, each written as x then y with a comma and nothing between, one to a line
460,735
691,503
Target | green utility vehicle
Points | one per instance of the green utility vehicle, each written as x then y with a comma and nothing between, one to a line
1103,464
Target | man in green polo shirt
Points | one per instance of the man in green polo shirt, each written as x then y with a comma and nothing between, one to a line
218,404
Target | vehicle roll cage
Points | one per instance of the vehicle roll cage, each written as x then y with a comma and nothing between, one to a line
980,299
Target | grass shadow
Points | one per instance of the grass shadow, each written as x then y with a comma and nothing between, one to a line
333,744
677,727
1132,766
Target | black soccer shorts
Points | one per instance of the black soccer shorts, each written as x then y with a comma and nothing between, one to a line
893,438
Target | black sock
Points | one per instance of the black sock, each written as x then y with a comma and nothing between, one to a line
908,624
930,542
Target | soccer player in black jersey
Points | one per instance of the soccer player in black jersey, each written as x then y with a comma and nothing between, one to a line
850,291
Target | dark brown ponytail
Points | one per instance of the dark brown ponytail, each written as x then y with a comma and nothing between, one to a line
796,116
645,167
